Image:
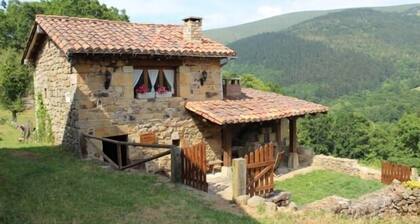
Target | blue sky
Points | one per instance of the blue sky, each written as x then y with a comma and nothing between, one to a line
222,13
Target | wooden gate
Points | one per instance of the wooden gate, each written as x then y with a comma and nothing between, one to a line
391,171
194,166
260,170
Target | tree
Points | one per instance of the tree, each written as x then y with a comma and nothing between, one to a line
17,19
408,136
14,82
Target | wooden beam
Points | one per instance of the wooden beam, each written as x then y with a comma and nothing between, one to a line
227,146
279,136
292,135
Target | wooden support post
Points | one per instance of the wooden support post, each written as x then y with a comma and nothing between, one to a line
293,135
119,155
293,154
176,165
227,146
238,177
279,136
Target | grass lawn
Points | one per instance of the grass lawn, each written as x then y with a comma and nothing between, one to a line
319,184
47,185
9,135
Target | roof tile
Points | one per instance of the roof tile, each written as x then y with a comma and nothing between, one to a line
83,35
253,106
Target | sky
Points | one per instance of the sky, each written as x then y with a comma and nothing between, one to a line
223,13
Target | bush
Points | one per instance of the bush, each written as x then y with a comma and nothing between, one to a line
412,184
411,162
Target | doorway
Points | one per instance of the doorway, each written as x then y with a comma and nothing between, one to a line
110,149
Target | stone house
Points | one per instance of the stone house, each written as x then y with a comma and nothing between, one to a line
125,81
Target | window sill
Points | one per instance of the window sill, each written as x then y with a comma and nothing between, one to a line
145,95
168,94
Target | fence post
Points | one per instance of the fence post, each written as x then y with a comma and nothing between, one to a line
82,145
176,165
238,177
119,155
414,174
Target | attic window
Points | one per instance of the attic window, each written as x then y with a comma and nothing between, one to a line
150,83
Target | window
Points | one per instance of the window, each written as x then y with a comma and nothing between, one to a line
150,83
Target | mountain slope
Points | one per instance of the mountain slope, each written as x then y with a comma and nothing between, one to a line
336,54
279,23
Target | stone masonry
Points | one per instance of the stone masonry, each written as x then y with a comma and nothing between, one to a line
55,82
77,100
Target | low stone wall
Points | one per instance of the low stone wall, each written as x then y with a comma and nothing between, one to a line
395,199
391,200
348,166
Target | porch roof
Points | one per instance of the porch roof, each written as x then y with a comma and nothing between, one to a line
253,106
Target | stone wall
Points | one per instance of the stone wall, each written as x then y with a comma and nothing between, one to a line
55,81
115,111
348,166
395,199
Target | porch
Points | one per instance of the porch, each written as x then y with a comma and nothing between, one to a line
250,118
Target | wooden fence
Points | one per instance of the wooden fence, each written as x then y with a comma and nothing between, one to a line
391,171
260,170
194,166
119,164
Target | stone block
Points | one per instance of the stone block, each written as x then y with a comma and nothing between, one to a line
255,201
241,199
270,206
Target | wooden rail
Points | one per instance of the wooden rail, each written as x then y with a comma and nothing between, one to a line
119,164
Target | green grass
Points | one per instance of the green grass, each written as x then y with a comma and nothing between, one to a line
320,184
9,135
47,185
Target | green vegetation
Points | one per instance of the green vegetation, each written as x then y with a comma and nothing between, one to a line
47,185
319,184
363,63
9,134
280,23
14,82
44,131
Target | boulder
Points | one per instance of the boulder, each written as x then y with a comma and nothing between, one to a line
271,206
241,199
255,201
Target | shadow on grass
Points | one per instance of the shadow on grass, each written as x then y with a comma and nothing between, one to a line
44,184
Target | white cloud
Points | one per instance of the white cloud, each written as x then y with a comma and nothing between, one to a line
268,11
222,13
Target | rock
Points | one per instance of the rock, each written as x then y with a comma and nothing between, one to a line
292,206
282,196
241,199
271,206
255,201
396,182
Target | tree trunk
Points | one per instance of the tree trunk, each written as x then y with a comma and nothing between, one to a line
14,116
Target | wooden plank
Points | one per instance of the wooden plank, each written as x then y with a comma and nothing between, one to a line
128,143
147,159
260,164
148,138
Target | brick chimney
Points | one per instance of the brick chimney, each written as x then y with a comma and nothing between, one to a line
232,88
192,29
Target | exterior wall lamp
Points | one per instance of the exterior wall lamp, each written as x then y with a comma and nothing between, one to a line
203,77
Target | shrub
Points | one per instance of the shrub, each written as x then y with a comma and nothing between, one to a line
412,184
408,161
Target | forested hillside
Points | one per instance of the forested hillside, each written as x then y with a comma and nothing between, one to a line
363,63
336,54
279,23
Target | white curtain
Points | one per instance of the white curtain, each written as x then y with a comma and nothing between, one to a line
136,76
153,74
169,75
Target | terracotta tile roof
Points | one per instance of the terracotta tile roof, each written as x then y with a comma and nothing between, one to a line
82,35
253,106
